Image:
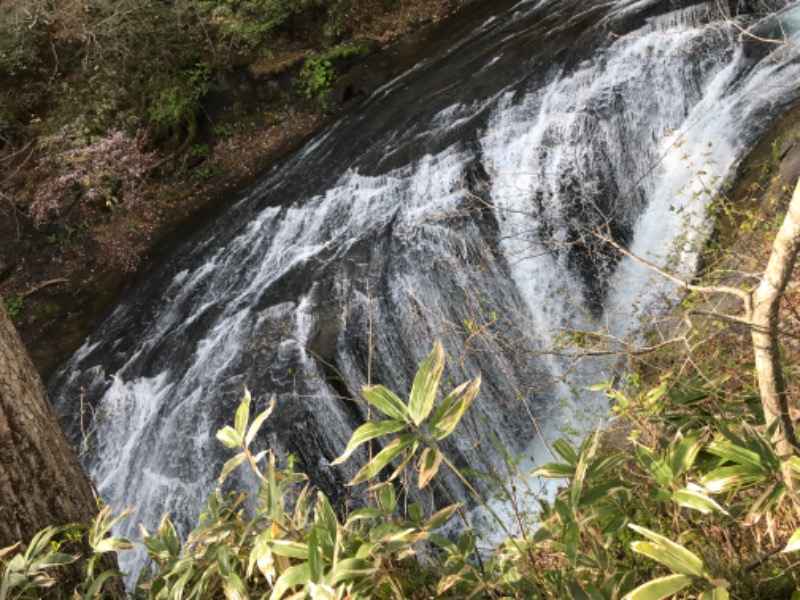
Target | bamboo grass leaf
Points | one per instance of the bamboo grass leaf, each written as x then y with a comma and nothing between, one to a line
698,501
793,545
445,419
554,471
230,437
294,576
659,588
289,548
383,458
423,392
732,477
428,465
258,422
369,431
230,465
726,449
655,464
717,593
386,401
683,454
565,450
440,517
668,553
242,414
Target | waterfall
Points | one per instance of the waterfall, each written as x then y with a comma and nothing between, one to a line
457,203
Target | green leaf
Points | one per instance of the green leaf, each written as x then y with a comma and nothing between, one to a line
443,543
576,592
659,588
51,560
543,533
289,548
668,553
315,564
94,590
234,588
572,536
682,455
734,453
243,414
168,535
585,454
698,501
446,418
423,392
793,545
39,542
554,470
428,465
602,491
732,477
327,524
657,553
230,465
369,431
604,463
388,498
258,422
717,593
440,517
386,401
565,450
229,437
349,569
364,514
112,544
769,498
655,464
401,467
294,576
383,458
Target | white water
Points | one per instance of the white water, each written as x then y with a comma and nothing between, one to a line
260,298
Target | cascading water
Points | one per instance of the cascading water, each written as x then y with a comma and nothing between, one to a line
457,203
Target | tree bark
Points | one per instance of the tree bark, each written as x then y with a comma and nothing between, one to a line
41,480
765,317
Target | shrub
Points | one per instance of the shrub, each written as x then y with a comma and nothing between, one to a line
107,172
673,517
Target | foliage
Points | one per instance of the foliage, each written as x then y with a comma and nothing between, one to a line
106,172
176,100
640,523
247,23
14,305
26,574
317,74
131,63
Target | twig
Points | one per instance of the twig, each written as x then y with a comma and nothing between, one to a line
744,296
45,284
762,559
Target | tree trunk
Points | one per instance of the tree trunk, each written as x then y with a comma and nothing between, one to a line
765,307
41,480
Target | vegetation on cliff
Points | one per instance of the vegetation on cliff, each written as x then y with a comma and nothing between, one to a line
121,120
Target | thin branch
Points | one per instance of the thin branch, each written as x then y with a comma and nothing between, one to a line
781,42
744,296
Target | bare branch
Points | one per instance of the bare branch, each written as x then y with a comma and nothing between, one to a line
743,295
